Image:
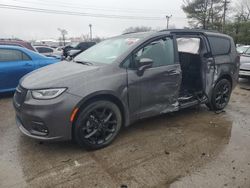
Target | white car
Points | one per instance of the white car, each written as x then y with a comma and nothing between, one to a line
245,64
242,49
59,50
48,51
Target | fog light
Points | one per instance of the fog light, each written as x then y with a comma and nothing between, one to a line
39,129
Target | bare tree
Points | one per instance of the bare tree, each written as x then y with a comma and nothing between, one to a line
225,9
242,10
197,12
205,14
63,32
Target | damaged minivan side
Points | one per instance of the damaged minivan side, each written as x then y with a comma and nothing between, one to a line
124,79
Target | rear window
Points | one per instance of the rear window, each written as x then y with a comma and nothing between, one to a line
44,50
219,45
85,45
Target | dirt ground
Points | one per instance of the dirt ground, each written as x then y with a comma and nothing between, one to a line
191,148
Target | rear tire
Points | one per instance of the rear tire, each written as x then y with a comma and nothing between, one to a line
97,125
221,95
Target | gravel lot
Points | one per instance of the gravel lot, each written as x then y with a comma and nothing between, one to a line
191,148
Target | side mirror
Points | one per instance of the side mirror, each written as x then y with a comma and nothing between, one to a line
143,64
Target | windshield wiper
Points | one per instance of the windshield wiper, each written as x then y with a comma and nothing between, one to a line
83,62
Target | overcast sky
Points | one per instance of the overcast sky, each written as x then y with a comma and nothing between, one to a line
37,25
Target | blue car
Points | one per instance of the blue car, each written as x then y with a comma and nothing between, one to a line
15,62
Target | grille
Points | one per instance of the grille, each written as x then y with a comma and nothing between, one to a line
20,95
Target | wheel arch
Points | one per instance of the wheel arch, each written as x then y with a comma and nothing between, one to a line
219,78
102,95
225,76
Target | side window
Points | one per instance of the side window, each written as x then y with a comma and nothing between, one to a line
160,51
49,50
219,45
10,55
39,49
127,63
25,57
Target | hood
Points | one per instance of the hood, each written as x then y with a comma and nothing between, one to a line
63,74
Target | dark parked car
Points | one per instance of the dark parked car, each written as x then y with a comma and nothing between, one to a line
124,79
73,50
17,42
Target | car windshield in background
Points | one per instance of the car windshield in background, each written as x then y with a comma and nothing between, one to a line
247,52
74,45
242,49
107,51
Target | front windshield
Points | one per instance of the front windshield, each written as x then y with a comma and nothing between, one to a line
242,49
247,52
107,51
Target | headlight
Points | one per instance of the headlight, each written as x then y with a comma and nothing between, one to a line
47,93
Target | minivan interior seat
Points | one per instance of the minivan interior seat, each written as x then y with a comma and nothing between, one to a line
190,61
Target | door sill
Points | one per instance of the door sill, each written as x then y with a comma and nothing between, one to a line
187,104
192,101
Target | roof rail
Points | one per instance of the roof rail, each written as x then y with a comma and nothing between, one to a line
130,32
189,30
136,32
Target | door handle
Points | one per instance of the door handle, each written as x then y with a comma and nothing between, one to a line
174,72
28,64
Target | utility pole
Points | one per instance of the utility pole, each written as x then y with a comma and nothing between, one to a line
90,31
168,18
225,3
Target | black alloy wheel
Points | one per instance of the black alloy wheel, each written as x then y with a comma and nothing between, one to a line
221,95
98,125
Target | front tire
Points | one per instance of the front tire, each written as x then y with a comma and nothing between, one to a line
221,95
97,124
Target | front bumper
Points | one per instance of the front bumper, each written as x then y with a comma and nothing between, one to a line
27,133
244,67
46,119
244,72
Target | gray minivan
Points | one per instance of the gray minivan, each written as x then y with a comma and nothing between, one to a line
124,79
